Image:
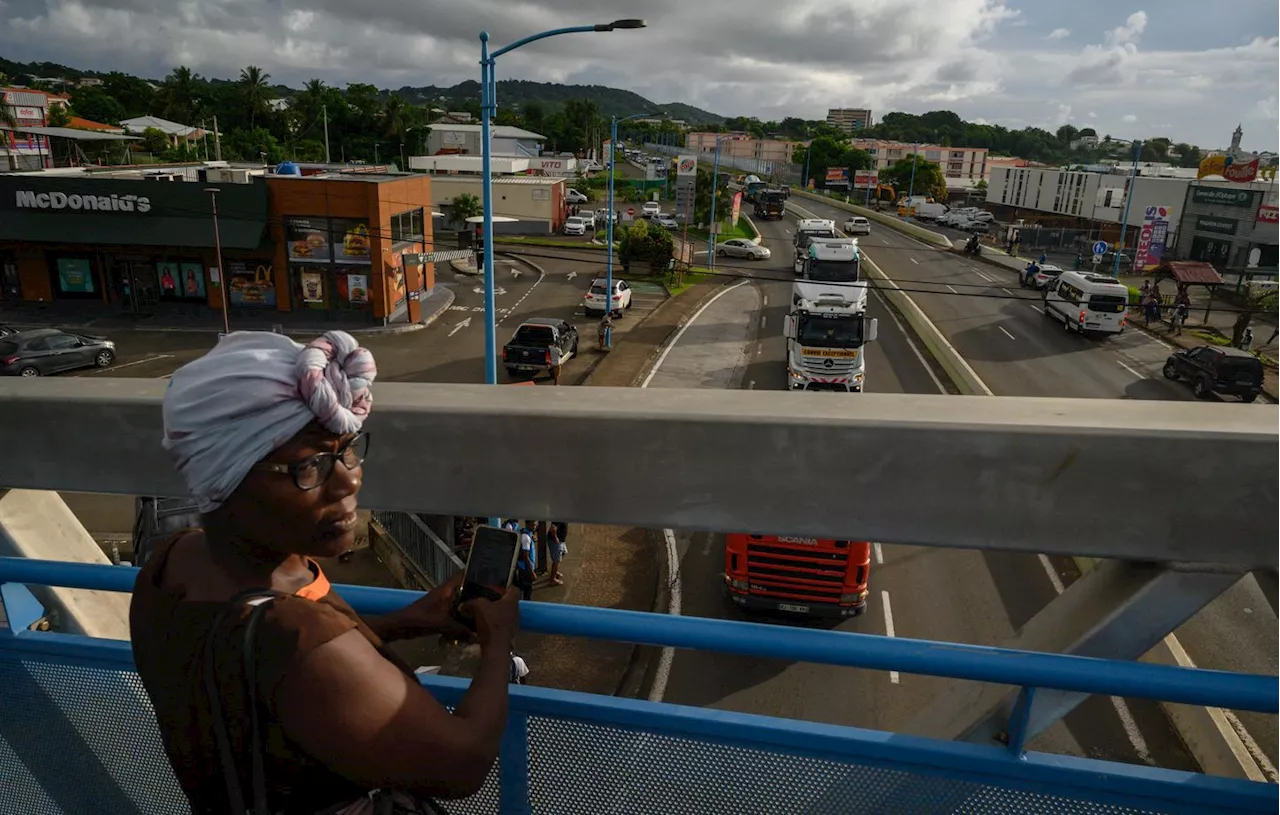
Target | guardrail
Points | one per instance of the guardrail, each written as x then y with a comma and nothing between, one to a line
84,748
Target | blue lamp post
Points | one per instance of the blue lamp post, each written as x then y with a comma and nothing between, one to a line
608,254
911,190
711,224
488,109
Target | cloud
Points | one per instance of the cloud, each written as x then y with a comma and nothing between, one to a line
1129,118
1059,34
1265,109
1063,116
1093,115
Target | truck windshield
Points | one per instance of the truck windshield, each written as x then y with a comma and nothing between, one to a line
802,238
834,271
829,332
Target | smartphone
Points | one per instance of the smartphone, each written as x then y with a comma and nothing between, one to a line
490,566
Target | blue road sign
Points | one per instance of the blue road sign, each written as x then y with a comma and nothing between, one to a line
1100,248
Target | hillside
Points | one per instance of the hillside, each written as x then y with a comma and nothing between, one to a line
515,93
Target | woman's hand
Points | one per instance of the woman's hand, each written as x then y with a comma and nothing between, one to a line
428,615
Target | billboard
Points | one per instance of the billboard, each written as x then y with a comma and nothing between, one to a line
837,177
1268,214
737,208
1155,233
686,166
866,178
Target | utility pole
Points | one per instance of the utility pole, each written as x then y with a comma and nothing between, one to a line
911,190
217,247
1129,191
324,109
217,141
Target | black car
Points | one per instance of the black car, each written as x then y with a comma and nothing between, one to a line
47,351
1217,369
529,350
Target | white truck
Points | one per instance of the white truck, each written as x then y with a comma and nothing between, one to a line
807,230
828,324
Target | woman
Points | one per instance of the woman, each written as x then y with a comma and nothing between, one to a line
249,657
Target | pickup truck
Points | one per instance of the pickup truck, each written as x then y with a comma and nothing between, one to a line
529,350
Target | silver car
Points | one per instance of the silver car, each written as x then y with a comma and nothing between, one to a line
741,248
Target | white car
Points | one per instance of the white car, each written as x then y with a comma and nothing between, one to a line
575,225
588,217
593,302
666,222
857,225
741,248
651,209
575,197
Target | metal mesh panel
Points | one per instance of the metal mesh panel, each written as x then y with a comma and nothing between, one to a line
76,739
577,767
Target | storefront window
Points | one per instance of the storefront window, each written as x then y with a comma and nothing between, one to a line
181,280
351,241
407,227
75,276
251,283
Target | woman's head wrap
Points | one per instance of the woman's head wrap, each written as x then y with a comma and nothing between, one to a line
227,410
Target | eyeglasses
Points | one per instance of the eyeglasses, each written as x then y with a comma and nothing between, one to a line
315,471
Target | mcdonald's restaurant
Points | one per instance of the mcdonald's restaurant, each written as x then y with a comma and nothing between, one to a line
327,244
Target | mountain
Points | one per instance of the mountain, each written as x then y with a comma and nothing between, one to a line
515,93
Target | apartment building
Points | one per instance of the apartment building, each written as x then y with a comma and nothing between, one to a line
962,166
742,147
849,120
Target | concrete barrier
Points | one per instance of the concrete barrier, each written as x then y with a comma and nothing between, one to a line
756,232
917,232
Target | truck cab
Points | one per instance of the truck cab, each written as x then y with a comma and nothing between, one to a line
806,231
828,326
809,577
771,205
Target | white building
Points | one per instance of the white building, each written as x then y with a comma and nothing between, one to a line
465,139
849,120
176,133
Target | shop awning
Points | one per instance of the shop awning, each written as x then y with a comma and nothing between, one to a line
71,133
88,228
1190,271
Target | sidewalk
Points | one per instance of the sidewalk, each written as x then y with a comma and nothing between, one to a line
71,316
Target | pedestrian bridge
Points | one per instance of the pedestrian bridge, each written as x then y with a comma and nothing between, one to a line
1062,477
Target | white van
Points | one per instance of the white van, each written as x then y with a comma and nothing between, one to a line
1088,302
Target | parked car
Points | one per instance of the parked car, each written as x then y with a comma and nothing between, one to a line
1109,259
741,248
47,351
575,225
593,303
588,217
1043,277
970,225
666,222
857,225
1217,369
575,197
529,350
651,209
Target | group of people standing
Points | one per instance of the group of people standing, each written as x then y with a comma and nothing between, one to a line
542,547
1149,298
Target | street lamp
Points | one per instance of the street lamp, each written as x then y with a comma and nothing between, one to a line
608,264
711,225
217,247
911,190
488,109
1128,202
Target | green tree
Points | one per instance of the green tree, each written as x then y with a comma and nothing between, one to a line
827,152
1067,134
466,206
96,105
135,96
154,140
929,179
645,242
702,196
59,116
1189,155
180,93
254,91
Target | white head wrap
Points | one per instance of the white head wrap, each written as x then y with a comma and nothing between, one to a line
224,412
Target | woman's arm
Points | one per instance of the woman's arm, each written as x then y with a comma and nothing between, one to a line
428,615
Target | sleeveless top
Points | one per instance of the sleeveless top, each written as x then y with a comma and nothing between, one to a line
169,634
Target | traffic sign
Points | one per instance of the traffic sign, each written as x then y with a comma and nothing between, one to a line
1099,248
1097,259
631,210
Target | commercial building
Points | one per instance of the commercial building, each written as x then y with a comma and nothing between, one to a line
1232,226
448,138
537,203
962,166
28,108
329,243
849,120
562,166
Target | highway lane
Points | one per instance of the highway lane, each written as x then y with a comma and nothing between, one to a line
1019,352
943,594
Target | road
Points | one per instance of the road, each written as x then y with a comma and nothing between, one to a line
942,594
1002,332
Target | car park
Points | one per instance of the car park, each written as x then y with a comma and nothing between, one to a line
1217,369
593,302
741,248
574,225
857,225
44,351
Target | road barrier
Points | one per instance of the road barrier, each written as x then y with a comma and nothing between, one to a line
905,228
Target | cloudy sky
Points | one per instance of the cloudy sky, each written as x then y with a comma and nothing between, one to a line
1131,68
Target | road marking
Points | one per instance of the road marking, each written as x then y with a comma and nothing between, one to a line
953,291
888,627
984,277
1006,333
879,554
1130,370
913,260
902,329
663,672
460,325
1006,291
541,275
1053,574
571,276
885,242
1037,308
125,364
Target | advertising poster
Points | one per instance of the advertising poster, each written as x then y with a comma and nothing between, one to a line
307,239
865,178
395,279
351,243
1154,235
251,283
312,286
192,281
737,208
75,275
168,274
837,177
358,288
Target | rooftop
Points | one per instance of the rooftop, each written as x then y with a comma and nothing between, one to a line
498,131
140,123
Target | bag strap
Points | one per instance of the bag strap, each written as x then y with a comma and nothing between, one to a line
231,776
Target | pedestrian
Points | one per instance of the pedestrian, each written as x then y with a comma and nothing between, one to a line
1181,309
556,361
540,538
1246,339
519,670
1146,289
603,331
525,564
1017,242
1044,258
557,550
1151,308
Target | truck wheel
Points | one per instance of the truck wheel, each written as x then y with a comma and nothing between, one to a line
1248,397
513,373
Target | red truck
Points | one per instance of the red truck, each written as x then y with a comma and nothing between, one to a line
811,577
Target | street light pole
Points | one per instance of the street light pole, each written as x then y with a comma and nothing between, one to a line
1128,202
911,190
488,109
217,248
715,188
608,252
807,152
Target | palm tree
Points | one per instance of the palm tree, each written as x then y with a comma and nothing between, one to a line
466,206
8,119
181,95
395,118
253,84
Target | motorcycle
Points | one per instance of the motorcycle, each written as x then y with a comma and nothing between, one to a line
973,247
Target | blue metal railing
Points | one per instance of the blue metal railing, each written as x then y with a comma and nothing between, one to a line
610,754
